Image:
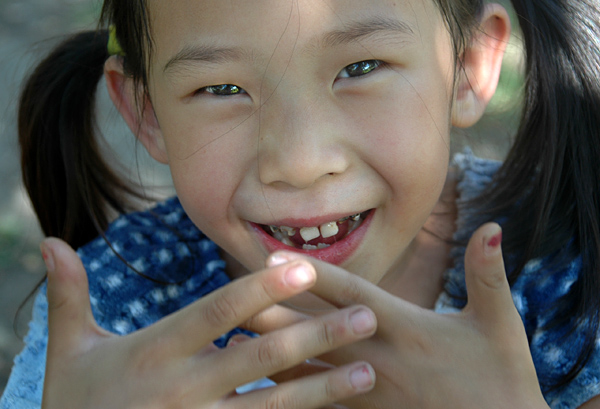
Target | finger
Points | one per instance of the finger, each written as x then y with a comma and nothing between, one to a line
309,367
487,287
283,349
273,318
320,390
190,329
237,339
69,312
341,288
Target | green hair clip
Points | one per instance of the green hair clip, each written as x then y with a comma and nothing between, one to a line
113,46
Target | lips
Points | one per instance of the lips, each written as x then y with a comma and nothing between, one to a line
333,242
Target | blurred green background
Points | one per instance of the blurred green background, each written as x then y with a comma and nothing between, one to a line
29,29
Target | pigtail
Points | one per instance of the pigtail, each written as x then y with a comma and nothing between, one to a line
72,189
551,175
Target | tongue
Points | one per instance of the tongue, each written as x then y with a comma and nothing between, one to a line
343,231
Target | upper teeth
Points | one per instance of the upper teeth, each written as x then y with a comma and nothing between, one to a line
309,233
289,230
325,230
329,229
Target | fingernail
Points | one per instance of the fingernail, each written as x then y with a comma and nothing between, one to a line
362,321
299,276
47,256
492,244
236,339
362,377
277,259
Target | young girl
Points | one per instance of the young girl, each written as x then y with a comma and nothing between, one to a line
309,147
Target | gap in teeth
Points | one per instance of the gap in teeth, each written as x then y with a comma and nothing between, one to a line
283,237
326,230
289,230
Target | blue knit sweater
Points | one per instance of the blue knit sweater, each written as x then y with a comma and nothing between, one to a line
165,245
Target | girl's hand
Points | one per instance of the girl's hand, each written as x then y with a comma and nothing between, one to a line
174,363
478,358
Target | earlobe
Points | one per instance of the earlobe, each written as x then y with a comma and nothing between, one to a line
481,65
139,117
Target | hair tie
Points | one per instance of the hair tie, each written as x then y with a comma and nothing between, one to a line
113,46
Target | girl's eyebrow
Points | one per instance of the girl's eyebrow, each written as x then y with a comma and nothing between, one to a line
360,30
205,53
386,28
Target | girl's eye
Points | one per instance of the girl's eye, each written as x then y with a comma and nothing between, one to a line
359,68
223,90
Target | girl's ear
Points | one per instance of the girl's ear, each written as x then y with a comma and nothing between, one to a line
481,61
137,112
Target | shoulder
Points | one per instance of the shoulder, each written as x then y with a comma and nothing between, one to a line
537,293
147,265
556,347
472,175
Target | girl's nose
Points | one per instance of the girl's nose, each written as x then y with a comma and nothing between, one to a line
300,144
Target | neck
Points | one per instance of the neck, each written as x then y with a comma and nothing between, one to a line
420,276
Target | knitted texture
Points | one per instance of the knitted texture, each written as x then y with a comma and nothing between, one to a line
171,264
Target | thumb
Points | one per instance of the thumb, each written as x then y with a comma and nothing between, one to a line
69,311
487,287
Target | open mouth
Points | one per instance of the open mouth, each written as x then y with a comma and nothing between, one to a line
316,237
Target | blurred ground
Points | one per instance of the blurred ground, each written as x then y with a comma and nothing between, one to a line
28,28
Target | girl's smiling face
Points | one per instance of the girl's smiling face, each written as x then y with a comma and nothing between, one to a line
301,113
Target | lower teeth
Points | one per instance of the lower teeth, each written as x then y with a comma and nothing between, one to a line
319,246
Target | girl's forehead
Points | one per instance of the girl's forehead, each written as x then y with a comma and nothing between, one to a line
269,24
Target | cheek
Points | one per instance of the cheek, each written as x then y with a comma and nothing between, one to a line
206,175
409,135
408,147
202,189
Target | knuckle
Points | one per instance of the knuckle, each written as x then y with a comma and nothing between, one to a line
223,309
351,293
254,321
329,333
422,343
56,303
272,353
424,346
280,400
267,289
493,279
330,391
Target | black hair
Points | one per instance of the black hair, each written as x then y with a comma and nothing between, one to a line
72,188
548,185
